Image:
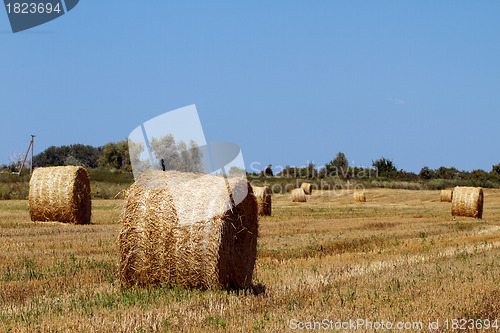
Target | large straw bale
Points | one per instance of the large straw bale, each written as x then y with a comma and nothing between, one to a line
263,196
307,187
298,195
60,194
446,195
183,229
467,201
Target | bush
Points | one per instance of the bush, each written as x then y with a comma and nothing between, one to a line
13,187
102,190
103,174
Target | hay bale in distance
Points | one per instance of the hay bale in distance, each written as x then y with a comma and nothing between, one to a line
263,196
212,251
467,201
60,194
446,195
307,187
298,195
359,196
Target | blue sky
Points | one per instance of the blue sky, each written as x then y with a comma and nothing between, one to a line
289,81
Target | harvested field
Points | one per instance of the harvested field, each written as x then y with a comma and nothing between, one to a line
398,257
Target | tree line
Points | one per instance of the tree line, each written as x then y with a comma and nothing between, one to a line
167,153
381,168
179,156
113,155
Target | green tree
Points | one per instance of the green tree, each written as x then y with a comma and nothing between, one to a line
87,155
340,161
234,171
338,166
427,173
185,158
268,171
288,172
496,169
123,150
139,165
479,175
176,156
111,156
70,160
384,166
165,149
311,171
446,173
196,156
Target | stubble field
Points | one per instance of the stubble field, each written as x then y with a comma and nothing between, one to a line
399,257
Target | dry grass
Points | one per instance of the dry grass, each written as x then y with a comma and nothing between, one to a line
398,257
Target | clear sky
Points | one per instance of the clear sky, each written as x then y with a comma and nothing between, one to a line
289,81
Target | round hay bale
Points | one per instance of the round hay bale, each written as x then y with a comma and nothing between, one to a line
263,196
467,201
180,229
446,195
298,195
307,187
60,194
359,196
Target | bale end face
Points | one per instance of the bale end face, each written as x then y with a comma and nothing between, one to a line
468,202
307,187
60,194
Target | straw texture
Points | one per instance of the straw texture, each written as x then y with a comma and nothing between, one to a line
359,196
307,187
263,196
169,234
298,195
467,201
60,194
446,195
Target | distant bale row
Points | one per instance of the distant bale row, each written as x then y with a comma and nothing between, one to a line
182,229
359,196
60,194
298,195
446,195
263,196
467,201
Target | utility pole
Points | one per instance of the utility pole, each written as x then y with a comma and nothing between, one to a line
25,156
32,147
